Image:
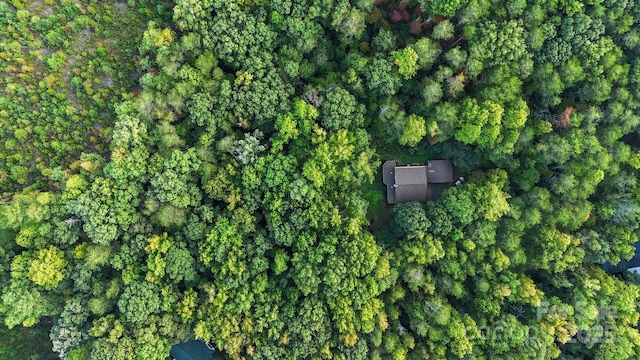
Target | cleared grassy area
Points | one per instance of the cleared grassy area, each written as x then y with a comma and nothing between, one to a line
417,155
378,211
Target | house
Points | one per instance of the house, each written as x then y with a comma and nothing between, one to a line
411,183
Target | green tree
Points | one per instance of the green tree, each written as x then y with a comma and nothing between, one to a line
441,7
261,100
341,110
175,184
48,267
427,52
382,78
139,300
443,30
407,62
413,132
409,218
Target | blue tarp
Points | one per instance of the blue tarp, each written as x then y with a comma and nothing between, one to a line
192,350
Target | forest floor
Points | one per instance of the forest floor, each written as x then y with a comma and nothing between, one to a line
72,61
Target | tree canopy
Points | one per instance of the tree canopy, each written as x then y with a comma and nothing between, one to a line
211,170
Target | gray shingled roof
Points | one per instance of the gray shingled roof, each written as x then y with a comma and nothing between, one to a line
440,171
388,171
404,183
388,178
406,193
411,175
410,183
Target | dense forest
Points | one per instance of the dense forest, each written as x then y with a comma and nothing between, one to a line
211,169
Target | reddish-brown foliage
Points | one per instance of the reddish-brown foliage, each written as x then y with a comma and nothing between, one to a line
374,16
405,15
418,10
415,28
395,16
564,119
